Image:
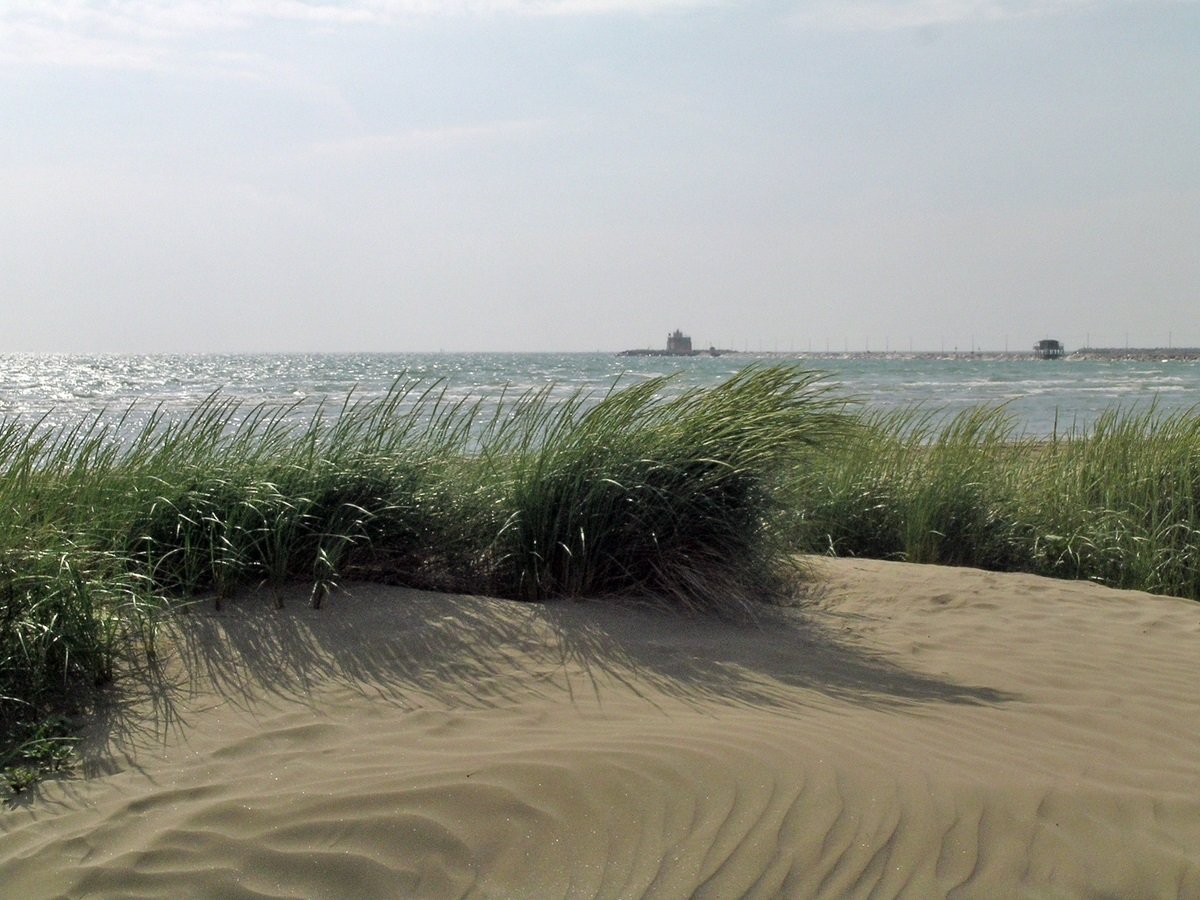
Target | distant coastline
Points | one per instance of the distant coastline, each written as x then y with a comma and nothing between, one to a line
711,351
1091,354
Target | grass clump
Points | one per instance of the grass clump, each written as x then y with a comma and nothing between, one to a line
642,491
666,497
66,615
1118,503
907,487
1121,504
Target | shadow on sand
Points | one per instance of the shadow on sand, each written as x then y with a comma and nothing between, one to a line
415,649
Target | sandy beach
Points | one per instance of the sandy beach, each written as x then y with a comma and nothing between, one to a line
907,731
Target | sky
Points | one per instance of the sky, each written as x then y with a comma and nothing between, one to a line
580,175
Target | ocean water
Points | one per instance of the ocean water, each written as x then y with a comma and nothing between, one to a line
1040,396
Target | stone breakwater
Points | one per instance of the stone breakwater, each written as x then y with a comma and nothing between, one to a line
1137,354
1092,354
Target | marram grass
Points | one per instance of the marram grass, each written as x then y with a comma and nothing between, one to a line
696,497
642,492
1118,503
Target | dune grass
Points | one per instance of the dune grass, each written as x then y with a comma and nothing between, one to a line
694,497
644,491
1118,503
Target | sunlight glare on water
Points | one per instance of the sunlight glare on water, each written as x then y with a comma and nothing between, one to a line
1040,396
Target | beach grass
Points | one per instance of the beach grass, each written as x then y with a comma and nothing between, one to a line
643,491
695,497
1118,503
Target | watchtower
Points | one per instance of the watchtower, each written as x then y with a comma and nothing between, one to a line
679,343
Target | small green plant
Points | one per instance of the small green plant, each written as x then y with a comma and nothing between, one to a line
36,751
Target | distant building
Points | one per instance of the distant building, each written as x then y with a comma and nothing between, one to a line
1048,349
680,343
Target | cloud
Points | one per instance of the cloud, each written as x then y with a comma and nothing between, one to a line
600,7
891,15
150,35
161,34
143,33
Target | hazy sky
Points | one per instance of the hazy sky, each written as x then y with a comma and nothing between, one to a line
588,174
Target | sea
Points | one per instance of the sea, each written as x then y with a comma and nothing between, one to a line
1042,397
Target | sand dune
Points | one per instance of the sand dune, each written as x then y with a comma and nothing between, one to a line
909,731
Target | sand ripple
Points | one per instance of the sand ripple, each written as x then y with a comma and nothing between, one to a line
910,732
